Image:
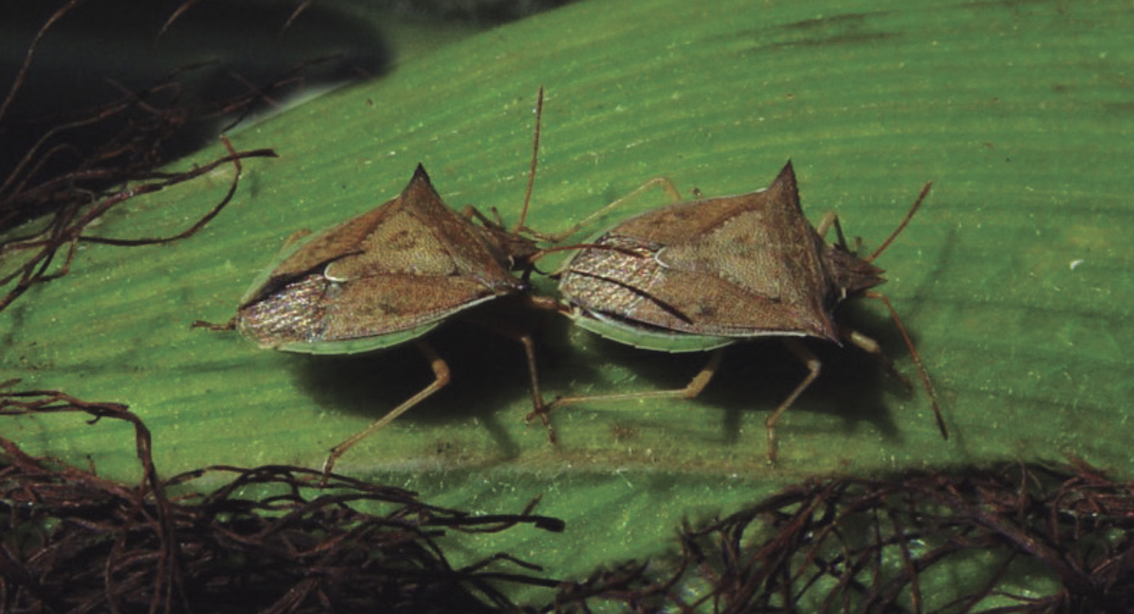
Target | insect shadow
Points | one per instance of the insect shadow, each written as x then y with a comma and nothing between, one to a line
491,373
701,275
851,391
756,376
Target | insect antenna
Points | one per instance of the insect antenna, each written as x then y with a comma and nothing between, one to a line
894,314
532,169
901,227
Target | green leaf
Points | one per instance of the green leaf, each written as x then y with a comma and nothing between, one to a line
1013,278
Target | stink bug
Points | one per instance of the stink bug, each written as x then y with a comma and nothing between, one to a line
701,275
388,277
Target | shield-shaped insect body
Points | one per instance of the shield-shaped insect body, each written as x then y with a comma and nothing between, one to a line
380,279
384,278
700,275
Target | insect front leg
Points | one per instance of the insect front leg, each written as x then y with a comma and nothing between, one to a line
913,351
525,339
828,220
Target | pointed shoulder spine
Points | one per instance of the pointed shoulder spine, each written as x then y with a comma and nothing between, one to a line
420,189
786,177
420,180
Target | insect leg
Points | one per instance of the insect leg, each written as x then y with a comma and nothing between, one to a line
691,390
539,407
913,352
808,358
525,338
828,220
871,346
441,378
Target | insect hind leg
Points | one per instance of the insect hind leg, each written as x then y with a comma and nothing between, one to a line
441,379
691,390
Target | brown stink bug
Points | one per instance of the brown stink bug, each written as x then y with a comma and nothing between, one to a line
388,277
700,275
